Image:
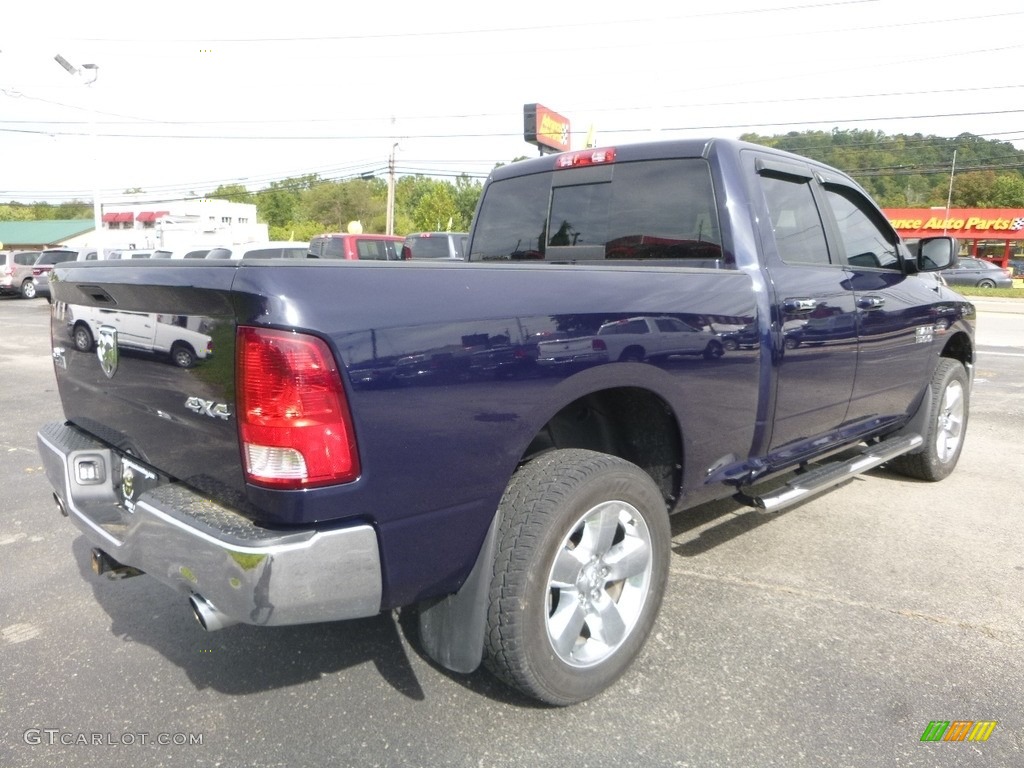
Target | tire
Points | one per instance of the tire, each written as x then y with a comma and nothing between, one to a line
579,575
28,289
183,356
949,400
986,283
82,337
731,345
632,355
713,350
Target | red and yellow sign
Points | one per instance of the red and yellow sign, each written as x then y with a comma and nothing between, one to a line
545,128
966,223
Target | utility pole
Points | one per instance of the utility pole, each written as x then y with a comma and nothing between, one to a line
949,197
390,189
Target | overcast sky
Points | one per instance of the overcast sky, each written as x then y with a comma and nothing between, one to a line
191,95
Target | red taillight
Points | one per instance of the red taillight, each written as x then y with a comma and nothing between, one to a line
598,345
293,418
586,157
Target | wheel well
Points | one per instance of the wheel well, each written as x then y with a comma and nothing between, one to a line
629,422
959,348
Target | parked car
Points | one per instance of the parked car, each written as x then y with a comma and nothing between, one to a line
16,273
267,249
435,245
978,273
1017,267
185,252
51,256
341,245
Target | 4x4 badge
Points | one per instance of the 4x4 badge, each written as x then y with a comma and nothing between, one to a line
106,350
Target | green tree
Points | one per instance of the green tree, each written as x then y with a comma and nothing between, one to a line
236,193
335,204
467,194
15,212
302,231
436,210
973,189
1008,191
75,209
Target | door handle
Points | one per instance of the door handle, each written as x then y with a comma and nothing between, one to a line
799,306
870,302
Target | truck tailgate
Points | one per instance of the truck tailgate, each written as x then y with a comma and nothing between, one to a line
144,360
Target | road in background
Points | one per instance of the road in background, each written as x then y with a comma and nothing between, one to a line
829,635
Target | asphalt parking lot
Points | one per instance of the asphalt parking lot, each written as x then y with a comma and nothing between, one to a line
831,634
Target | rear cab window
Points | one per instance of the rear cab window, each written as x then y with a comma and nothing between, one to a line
649,211
429,247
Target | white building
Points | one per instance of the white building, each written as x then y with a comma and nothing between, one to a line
206,221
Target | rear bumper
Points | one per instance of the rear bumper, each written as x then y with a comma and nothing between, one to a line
248,574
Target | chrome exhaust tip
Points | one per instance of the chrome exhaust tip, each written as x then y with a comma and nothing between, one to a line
60,505
208,616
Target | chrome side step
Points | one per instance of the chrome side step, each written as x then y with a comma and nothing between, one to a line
829,475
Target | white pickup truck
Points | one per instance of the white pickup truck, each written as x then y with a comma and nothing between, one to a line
142,331
633,339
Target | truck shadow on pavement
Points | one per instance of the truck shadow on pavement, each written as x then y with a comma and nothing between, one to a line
704,527
244,659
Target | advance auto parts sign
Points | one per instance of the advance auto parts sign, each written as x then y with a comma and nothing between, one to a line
991,223
545,128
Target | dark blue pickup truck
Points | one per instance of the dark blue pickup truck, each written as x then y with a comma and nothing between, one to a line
497,444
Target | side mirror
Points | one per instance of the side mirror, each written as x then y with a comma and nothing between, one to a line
934,253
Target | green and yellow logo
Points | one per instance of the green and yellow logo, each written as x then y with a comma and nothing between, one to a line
958,730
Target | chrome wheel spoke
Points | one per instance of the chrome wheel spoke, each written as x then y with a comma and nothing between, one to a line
566,570
630,558
599,528
610,627
566,624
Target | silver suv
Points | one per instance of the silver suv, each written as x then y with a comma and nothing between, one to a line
16,273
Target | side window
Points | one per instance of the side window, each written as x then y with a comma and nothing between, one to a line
635,327
370,249
671,325
868,243
799,234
